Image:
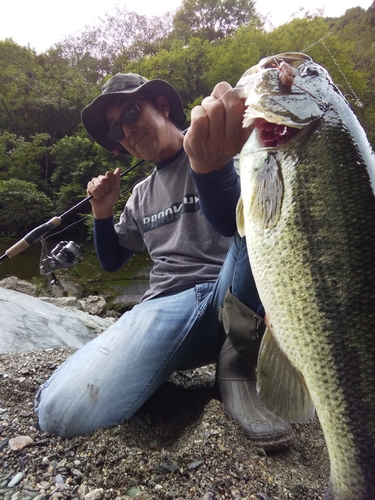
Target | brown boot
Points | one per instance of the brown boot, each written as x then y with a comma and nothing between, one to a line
237,385
236,377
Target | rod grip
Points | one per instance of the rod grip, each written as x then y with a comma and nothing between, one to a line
31,237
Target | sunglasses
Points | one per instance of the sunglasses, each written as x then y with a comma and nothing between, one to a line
129,116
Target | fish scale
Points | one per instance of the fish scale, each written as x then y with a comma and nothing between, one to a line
308,213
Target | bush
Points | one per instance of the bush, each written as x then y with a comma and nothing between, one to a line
22,207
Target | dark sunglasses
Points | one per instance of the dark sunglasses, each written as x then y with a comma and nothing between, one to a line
129,116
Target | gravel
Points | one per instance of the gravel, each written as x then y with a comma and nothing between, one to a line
180,445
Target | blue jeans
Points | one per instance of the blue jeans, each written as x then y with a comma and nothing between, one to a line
106,381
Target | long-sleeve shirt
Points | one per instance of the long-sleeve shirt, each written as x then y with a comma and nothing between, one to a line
184,220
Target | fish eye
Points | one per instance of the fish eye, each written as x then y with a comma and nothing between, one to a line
310,70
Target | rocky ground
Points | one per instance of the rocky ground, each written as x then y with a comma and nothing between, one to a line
180,445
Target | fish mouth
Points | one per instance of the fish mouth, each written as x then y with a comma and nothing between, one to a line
271,135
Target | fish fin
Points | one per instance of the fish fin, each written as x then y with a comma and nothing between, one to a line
268,191
240,218
281,387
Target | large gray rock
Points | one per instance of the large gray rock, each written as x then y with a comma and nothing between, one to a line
28,324
14,283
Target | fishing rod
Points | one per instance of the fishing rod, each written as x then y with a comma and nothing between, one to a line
65,253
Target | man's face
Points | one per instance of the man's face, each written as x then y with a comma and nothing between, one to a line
148,136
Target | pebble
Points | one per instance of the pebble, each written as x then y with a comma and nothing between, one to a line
209,496
95,494
24,413
44,485
3,443
83,490
29,492
132,491
77,473
20,442
59,479
16,479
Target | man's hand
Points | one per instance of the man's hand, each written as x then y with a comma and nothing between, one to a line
216,133
105,191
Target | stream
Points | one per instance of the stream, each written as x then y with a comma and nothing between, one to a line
84,279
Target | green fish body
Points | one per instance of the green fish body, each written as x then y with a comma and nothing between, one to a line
307,209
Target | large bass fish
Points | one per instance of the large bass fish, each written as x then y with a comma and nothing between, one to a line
307,209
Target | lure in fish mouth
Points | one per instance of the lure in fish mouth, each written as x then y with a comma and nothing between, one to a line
307,210
278,99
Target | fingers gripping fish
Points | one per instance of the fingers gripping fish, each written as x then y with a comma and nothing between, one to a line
307,209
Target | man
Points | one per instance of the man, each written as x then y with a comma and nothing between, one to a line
176,326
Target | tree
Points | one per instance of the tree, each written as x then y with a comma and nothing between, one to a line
357,26
234,55
39,93
78,159
121,37
22,208
212,20
24,160
184,66
41,96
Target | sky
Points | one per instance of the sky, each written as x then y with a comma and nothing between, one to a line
40,24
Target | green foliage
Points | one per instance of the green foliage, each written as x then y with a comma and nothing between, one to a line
297,35
78,159
73,161
22,207
39,93
335,55
183,66
235,55
16,64
24,160
204,42
212,20
357,27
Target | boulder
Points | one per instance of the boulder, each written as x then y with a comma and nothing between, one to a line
28,323
13,283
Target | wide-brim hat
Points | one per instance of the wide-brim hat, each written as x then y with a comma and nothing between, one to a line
93,115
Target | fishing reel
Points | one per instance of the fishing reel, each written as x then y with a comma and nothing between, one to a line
65,254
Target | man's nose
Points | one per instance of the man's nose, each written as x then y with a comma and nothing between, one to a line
128,130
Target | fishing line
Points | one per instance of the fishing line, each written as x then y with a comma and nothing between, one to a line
315,43
66,228
357,100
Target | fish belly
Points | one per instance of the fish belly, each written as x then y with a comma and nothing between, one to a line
309,217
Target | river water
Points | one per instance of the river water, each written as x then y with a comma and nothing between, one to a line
87,275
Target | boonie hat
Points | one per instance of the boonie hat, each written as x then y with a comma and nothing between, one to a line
93,115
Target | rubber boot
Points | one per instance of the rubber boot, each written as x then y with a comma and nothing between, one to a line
236,377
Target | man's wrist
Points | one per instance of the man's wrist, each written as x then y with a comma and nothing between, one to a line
105,214
226,175
208,166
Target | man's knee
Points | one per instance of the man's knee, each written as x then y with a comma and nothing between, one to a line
56,413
